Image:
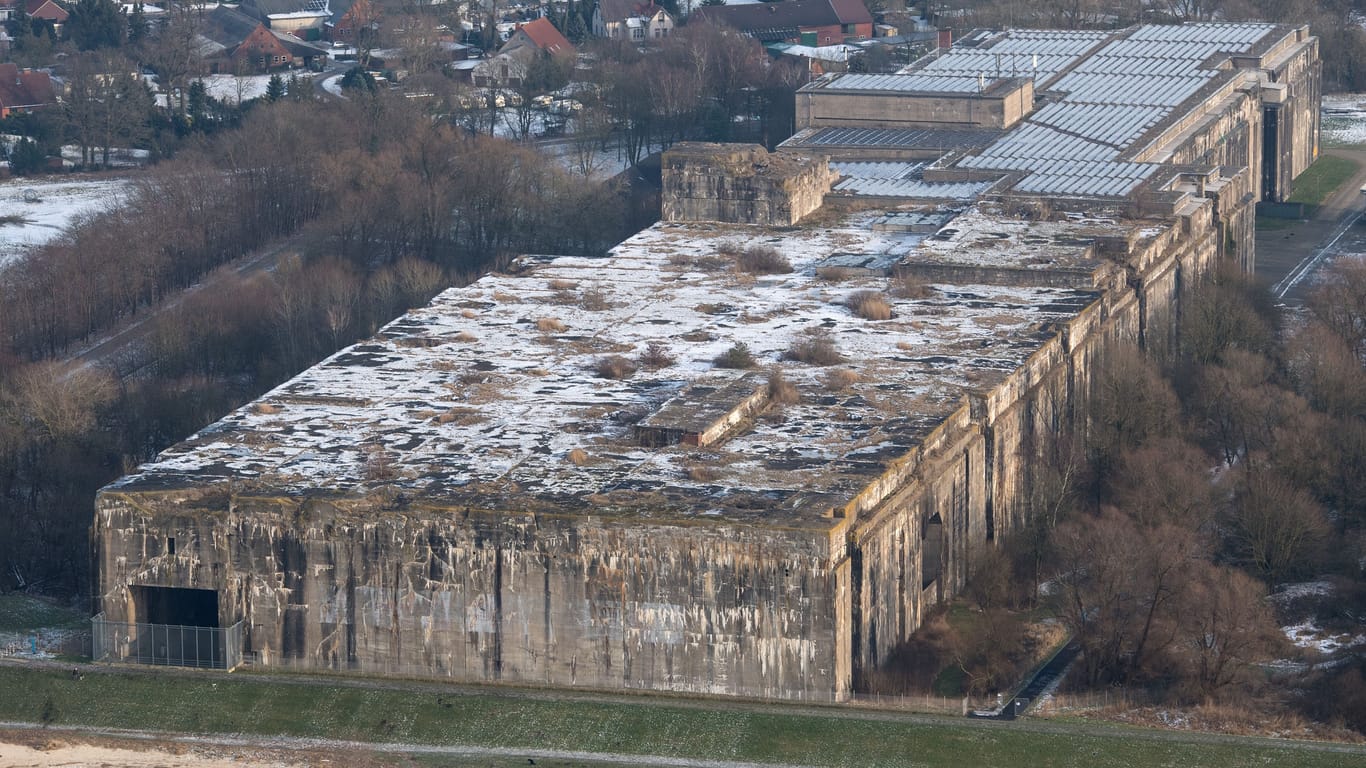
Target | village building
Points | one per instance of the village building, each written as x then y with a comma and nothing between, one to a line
24,90
805,22
749,450
632,20
230,41
510,65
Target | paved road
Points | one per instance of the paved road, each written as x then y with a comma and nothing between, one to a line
1287,257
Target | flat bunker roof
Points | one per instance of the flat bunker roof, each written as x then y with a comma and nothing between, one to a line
492,396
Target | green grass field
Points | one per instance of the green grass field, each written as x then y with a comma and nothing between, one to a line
1320,180
244,704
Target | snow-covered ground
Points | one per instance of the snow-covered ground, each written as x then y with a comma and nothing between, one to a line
1344,118
234,89
46,208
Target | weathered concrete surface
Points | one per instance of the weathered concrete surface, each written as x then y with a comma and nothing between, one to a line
741,184
490,596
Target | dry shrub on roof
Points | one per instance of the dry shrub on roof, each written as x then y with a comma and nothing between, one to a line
869,305
814,348
578,457
701,473
379,465
837,379
904,285
265,408
780,390
656,355
562,285
837,274
762,260
468,314
614,367
549,325
738,356
594,299
463,337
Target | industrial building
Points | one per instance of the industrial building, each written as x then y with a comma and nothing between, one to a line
745,452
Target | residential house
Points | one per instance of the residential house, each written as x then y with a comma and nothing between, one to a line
47,10
528,40
805,22
304,19
231,41
631,20
539,35
24,90
349,24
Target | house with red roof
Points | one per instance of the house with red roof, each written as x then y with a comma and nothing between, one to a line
24,90
632,20
539,35
805,22
46,10
510,65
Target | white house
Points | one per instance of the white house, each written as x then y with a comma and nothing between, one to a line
631,20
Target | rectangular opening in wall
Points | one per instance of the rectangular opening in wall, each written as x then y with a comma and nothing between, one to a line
173,626
175,605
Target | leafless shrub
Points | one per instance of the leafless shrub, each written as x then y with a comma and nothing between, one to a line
464,337
836,274
460,416
814,348
702,473
738,356
379,465
265,408
578,457
837,379
562,285
503,298
656,355
614,367
780,390
905,346
468,314
549,325
904,285
869,305
594,299
443,365
762,260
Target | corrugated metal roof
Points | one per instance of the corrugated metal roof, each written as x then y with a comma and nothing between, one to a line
917,83
915,188
879,170
1109,99
944,139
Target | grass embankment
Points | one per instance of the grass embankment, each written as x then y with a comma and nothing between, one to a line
20,613
308,707
1322,179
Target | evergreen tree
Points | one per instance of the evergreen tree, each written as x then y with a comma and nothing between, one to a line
96,24
275,89
578,30
26,157
137,25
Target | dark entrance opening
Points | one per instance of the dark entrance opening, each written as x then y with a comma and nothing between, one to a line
177,627
932,542
176,605
1271,153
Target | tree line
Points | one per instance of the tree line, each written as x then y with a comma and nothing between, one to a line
1227,466
366,208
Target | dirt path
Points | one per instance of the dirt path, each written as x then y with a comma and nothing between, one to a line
123,349
1296,250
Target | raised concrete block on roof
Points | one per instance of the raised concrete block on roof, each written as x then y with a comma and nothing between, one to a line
741,184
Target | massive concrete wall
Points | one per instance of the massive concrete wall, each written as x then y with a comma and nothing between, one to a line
490,597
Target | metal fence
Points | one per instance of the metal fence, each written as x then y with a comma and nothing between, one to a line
168,645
